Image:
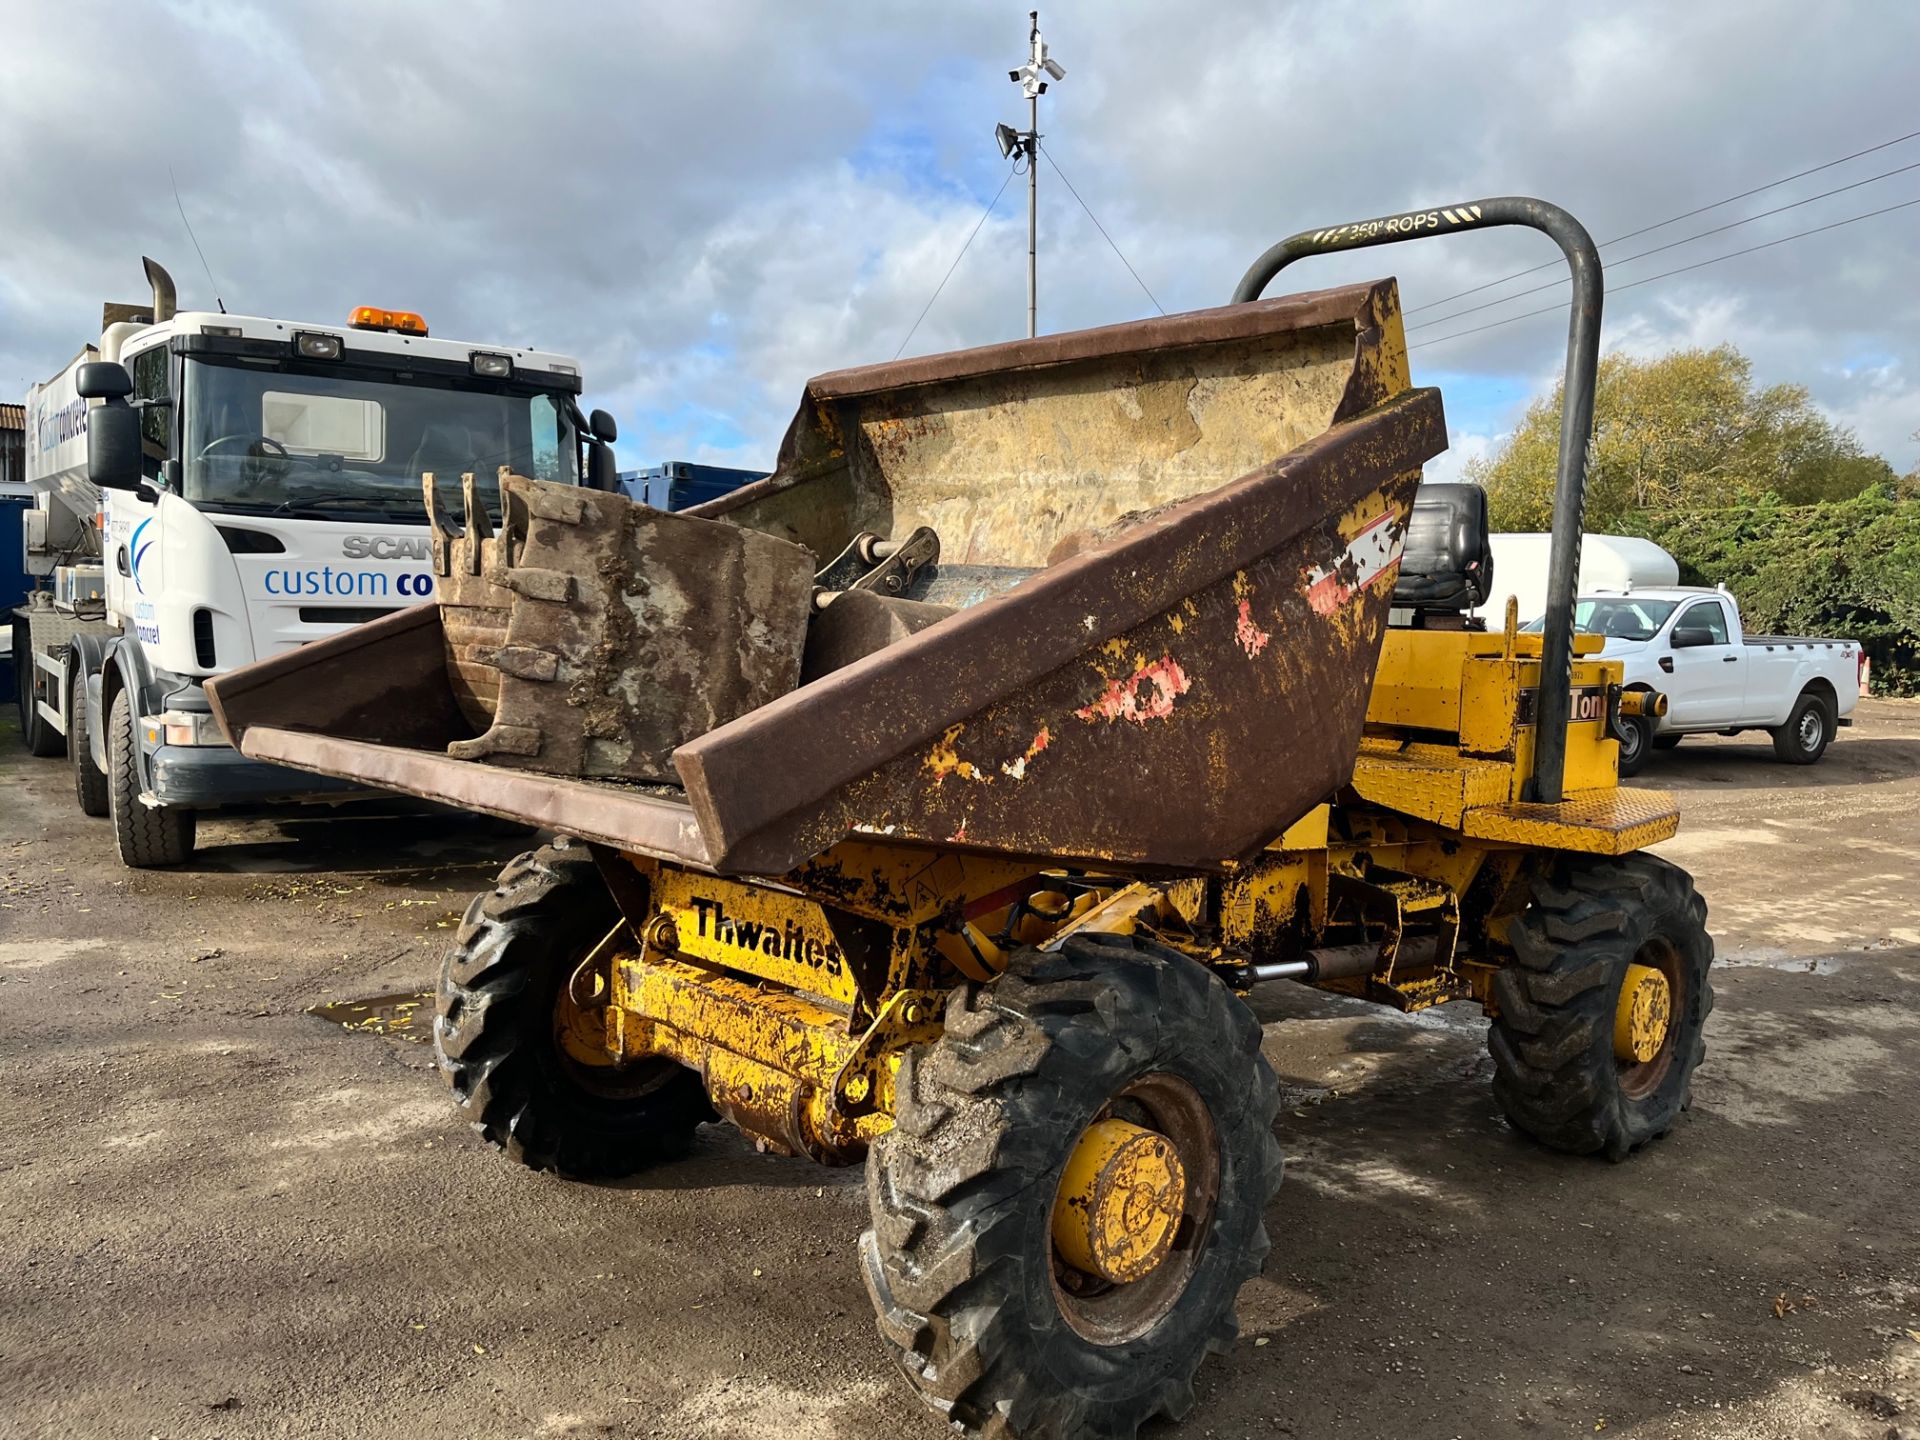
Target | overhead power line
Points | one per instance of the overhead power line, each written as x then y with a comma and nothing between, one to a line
1665,274
956,261
1672,220
1670,245
1103,231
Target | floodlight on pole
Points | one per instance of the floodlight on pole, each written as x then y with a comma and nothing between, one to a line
1032,80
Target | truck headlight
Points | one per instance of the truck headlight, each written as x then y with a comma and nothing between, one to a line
315,346
184,727
494,367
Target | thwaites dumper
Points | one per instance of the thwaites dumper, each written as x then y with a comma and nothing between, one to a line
1100,719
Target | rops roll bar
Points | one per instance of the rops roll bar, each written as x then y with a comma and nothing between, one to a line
1576,418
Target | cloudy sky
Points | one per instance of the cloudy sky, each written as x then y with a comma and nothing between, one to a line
709,201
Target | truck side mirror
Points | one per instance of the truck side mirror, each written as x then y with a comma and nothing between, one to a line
1689,637
113,440
600,472
603,426
103,380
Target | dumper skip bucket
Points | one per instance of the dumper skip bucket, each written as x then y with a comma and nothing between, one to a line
1165,557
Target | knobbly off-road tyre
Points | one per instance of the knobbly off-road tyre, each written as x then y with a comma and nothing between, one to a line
148,836
1555,1071
494,1030
960,1261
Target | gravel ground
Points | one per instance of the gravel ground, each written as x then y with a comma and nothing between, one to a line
221,1215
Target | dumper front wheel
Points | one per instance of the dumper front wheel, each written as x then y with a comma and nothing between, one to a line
517,1048
1073,1192
1599,1020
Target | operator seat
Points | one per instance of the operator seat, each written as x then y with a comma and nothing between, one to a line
1446,565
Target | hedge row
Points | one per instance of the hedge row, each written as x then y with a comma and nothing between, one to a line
1847,567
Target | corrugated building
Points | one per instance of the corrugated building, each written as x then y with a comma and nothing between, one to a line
13,444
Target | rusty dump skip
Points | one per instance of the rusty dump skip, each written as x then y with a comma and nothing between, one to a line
1185,532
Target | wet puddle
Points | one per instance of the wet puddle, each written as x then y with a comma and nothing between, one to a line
407,1014
1792,964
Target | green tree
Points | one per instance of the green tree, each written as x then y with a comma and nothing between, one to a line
1690,429
1847,567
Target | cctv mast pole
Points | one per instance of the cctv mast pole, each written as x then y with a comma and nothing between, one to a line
1033,203
1032,80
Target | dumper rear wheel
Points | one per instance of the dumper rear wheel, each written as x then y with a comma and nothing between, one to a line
1115,1084
1599,1021
506,1034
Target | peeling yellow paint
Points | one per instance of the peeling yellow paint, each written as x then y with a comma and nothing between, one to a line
944,759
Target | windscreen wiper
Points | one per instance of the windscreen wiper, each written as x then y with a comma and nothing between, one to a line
316,502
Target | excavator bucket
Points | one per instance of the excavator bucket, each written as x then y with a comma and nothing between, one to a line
1114,596
592,636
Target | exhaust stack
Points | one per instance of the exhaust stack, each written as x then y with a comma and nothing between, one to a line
165,297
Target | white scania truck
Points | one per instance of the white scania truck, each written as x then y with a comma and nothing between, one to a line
211,489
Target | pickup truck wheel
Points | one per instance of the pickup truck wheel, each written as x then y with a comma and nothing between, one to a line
1807,733
1073,1192
523,1058
148,836
1598,1021
1636,743
89,780
40,737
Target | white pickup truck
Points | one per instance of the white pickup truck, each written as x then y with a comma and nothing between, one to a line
1687,643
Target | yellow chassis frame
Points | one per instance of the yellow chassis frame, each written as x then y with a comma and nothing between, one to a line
796,998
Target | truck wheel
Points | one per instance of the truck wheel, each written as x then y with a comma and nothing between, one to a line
1073,1192
40,737
1807,733
1636,743
1598,1024
148,836
525,1061
89,780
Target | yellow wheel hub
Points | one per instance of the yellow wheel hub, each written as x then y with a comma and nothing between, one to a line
580,1019
1641,1017
1120,1202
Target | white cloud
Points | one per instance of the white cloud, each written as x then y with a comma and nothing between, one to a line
1463,448
707,203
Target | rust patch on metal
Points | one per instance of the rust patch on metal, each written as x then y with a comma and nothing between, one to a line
1147,694
861,746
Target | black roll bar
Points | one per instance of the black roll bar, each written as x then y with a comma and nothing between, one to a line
1576,419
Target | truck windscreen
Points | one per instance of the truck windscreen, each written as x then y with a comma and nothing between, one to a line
1622,619
293,442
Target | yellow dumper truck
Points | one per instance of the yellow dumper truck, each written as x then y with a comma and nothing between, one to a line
934,799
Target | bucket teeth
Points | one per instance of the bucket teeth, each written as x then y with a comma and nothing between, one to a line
473,606
520,661
479,525
554,586
499,740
